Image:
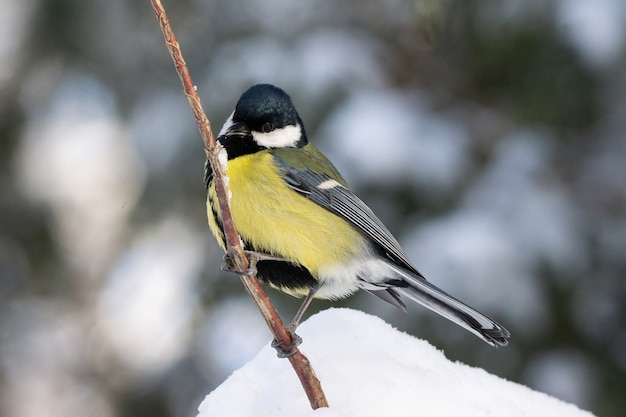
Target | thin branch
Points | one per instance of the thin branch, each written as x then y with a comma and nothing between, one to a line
300,363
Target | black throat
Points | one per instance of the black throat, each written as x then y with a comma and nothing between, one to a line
239,145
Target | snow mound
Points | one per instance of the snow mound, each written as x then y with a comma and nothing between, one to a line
367,368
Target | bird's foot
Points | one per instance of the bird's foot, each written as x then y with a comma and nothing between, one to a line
283,351
228,265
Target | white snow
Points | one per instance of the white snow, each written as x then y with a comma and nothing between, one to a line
368,368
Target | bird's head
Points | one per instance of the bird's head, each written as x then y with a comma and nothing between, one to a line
264,118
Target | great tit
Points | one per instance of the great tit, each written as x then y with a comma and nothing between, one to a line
309,234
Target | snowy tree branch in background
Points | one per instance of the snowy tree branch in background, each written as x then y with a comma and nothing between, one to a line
299,362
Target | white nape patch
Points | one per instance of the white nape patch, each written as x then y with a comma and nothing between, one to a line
328,184
228,123
284,137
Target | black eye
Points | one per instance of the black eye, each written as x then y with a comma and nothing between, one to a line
267,127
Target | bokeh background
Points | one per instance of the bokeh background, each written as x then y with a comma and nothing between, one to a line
488,135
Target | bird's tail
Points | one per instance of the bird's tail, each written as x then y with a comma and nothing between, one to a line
427,294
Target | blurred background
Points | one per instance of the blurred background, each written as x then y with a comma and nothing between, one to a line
488,135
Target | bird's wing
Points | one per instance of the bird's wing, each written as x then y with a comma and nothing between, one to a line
333,195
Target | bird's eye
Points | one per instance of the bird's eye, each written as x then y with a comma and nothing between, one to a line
267,127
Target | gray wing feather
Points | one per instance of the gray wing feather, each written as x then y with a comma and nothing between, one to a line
344,203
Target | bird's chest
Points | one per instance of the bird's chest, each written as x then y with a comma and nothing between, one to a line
274,219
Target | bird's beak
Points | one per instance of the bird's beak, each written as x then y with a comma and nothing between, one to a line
238,129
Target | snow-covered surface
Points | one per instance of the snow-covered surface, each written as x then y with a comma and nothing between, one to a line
368,368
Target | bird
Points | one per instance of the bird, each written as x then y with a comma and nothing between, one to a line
304,231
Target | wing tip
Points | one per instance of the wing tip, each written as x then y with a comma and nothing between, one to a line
496,336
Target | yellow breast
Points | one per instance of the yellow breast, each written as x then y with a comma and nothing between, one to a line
278,221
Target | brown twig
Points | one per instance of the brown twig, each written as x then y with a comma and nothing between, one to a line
300,363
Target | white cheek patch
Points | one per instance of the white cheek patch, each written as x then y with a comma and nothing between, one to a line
227,124
284,137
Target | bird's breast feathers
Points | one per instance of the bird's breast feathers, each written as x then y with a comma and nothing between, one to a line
276,220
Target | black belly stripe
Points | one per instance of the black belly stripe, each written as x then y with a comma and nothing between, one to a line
285,275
